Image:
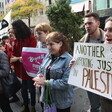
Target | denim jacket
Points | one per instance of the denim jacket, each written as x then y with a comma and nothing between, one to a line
62,92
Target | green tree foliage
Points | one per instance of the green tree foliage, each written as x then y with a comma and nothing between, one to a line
2,16
63,20
25,8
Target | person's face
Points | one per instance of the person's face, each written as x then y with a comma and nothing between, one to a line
91,25
11,34
54,48
108,32
41,36
6,40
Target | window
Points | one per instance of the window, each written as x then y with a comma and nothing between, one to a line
103,4
110,3
2,5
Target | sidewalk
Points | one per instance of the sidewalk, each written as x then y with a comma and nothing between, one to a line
81,102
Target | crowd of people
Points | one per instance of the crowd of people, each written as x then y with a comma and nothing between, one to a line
55,68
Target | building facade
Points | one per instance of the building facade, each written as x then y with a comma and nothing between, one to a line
2,7
81,6
4,4
103,8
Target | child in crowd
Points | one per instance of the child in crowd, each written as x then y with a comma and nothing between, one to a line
42,30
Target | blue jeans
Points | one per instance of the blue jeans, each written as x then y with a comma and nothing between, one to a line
94,101
27,86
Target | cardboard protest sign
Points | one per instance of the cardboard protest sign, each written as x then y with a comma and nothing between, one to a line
32,59
92,69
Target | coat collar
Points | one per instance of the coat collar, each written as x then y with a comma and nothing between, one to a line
61,56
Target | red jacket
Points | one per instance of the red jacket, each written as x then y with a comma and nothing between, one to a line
9,49
18,45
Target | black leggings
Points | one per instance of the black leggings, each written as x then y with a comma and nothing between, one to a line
64,110
4,103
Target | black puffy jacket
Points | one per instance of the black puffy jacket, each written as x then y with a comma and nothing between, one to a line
4,69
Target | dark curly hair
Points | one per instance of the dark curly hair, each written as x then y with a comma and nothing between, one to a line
21,30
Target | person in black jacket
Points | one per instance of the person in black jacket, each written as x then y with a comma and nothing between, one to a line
4,71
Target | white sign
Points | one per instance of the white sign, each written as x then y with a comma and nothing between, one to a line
5,30
92,69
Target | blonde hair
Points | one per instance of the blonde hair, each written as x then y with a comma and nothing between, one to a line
43,27
108,19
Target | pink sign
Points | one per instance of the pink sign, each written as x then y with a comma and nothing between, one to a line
32,59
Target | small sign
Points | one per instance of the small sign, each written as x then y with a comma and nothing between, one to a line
32,59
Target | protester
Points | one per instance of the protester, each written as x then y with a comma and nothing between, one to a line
24,38
5,40
42,30
4,71
10,46
94,35
55,71
7,46
8,43
106,104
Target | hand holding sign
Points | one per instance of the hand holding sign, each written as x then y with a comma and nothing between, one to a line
71,63
92,69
